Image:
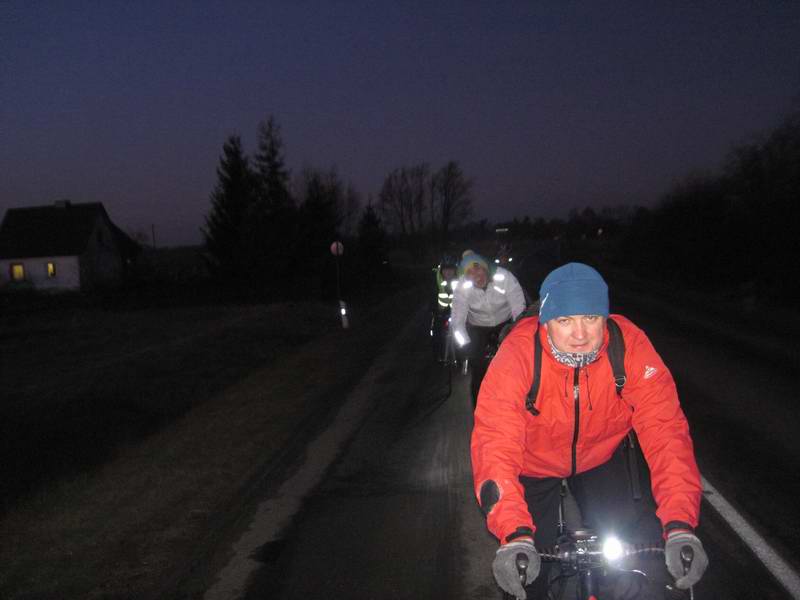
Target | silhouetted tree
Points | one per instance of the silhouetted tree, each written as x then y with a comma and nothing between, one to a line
394,202
471,232
349,211
418,181
762,181
274,222
232,203
371,242
271,167
322,195
731,231
451,199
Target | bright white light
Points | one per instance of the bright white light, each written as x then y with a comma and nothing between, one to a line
497,261
467,285
343,311
454,283
510,259
499,277
612,549
444,283
460,339
431,332
501,290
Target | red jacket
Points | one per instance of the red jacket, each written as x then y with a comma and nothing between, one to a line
508,441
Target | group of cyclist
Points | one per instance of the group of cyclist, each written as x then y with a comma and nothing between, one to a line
553,404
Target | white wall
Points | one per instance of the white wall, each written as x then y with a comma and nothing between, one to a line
101,262
67,272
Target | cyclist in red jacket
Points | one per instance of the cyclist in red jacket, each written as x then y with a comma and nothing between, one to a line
577,427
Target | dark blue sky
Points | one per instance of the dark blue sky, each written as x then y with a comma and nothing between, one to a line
547,105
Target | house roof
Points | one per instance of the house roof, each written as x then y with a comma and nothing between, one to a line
60,229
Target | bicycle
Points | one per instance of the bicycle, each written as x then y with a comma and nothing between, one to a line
444,348
583,554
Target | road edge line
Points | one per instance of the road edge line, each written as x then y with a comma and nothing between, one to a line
779,568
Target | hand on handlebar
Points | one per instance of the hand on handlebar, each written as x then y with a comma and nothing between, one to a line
505,569
686,558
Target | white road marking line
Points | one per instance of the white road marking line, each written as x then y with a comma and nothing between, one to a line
779,568
275,514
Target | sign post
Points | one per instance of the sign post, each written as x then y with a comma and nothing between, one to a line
337,249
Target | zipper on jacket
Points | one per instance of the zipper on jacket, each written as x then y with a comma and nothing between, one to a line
588,390
576,395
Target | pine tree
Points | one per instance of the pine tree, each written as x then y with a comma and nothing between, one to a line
275,219
319,212
226,235
271,168
318,226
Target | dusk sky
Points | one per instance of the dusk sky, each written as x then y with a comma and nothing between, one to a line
548,106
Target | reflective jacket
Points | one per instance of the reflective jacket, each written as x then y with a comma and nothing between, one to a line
582,421
503,299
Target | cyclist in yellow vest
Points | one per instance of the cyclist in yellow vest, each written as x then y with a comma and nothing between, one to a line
440,308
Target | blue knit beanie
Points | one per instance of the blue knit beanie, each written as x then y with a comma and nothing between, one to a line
574,289
470,259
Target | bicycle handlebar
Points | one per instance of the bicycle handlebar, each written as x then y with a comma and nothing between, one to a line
687,556
522,568
589,549
583,553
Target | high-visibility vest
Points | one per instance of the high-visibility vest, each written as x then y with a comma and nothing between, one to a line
444,291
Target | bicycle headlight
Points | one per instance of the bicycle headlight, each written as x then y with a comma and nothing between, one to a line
612,549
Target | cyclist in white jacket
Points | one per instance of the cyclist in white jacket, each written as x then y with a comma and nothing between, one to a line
485,299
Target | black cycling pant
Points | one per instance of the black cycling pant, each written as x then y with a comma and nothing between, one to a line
606,501
481,341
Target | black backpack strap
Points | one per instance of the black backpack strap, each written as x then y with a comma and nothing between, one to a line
530,401
631,444
616,354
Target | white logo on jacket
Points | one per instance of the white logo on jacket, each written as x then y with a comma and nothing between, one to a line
649,371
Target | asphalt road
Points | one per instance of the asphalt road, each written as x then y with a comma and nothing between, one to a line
393,514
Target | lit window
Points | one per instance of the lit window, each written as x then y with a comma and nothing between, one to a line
17,272
51,269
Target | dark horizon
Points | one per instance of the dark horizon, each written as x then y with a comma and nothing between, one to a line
547,108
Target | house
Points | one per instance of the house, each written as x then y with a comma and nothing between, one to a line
64,246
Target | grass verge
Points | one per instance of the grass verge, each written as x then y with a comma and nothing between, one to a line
120,525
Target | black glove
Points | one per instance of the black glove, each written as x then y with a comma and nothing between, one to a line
505,570
676,541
